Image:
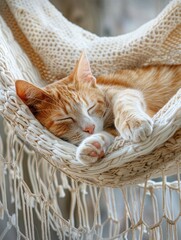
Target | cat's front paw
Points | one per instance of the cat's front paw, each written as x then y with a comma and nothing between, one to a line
136,128
93,148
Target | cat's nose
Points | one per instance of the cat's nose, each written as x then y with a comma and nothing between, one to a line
89,129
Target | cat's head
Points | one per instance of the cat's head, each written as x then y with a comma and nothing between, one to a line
71,108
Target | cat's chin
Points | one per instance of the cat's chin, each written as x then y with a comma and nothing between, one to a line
78,141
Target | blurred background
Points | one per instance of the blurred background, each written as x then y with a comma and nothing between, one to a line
110,18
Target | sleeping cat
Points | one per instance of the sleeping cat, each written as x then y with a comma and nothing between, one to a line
89,112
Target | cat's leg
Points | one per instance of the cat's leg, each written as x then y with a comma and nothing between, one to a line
94,147
131,119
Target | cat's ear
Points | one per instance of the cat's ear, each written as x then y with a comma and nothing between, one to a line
30,94
82,72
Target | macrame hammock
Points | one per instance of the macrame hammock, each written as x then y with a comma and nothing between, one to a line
45,193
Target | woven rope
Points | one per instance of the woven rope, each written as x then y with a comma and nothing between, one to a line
37,199
126,162
92,213
59,43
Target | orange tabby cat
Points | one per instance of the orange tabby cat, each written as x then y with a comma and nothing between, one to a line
89,111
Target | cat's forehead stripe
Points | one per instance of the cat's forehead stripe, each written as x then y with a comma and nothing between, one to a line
84,99
69,101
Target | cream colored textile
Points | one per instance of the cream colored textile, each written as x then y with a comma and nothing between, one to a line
59,42
125,162
34,165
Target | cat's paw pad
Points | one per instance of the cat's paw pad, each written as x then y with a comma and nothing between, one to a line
136,129
92,149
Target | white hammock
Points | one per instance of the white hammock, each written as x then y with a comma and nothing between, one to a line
53,45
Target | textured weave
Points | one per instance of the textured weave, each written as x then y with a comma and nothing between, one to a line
57,42
34,188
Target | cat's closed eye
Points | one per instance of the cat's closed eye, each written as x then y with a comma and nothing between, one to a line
66,119
97,109
91,109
